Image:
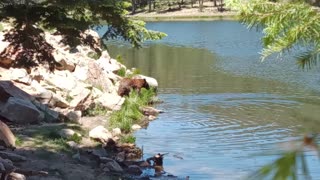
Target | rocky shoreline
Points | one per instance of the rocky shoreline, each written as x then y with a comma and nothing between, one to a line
45,110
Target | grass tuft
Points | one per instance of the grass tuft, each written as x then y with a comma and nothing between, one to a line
19,141
76,138
130,113
120,59
93,55
128,139
96,110
122,72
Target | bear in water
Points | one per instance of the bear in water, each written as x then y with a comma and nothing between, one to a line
127,84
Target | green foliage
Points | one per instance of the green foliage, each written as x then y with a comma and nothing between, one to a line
120,59
135,71
146,96
19,141
70,19
76,138
128,139
99,87
122,72
286,167
130,112
96,110
286,27
69,98
60,144
1,27
93,55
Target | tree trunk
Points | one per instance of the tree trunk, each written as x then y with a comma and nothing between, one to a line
200,5
133,6
215,3
149,3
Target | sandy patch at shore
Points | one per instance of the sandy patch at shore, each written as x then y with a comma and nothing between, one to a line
208,10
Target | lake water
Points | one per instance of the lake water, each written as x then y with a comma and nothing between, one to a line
226,112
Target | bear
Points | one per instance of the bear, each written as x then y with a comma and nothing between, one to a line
126,84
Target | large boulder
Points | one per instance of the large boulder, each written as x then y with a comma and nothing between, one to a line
20,75
81,73
100,133
113,166
98,78
12,156
108,64
151,81
110,101
49,114
63,80
7,88
21,111
67,133
74,116
79,95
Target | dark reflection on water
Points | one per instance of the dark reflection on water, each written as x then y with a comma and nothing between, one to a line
222,117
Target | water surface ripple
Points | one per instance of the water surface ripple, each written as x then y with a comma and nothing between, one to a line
226,113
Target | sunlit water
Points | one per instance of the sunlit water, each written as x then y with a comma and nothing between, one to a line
226,113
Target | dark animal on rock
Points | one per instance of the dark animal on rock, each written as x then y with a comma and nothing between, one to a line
127,84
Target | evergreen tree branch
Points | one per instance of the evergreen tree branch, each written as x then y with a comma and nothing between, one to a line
285,25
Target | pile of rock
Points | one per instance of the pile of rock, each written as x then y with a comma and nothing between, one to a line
77,84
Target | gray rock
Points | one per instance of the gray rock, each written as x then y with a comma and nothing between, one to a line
74,116
20,75
49,114
66,133
135,127
73,145
8,89
121,156
100,133
150,111
79,96
116,131
111,101
13,157
134,169
114,166
105,160
28,112
99,153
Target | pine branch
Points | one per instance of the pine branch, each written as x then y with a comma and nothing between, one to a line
285,26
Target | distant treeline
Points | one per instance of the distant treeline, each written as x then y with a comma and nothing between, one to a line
171,5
